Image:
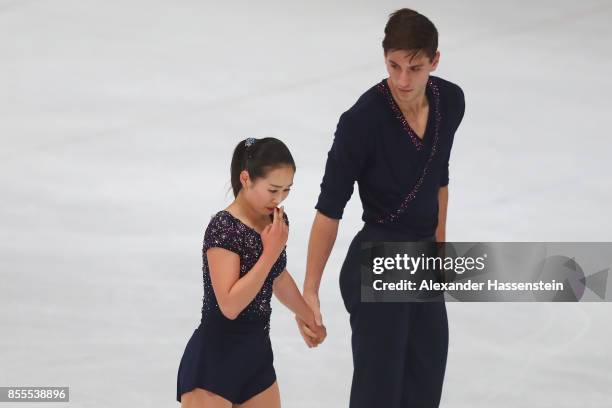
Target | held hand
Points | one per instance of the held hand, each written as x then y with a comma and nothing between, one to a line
313,336
320,333
313,331
312,299
274,236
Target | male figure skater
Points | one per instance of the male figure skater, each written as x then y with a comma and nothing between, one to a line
395,141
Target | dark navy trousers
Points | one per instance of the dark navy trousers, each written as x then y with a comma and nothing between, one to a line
399,349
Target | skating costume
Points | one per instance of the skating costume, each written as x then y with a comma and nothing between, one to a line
399,349
231,358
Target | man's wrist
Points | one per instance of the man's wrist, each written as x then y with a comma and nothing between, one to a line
309,319
311,288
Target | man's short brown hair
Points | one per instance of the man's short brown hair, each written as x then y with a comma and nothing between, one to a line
410,31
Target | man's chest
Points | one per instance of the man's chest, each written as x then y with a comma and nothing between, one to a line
417,122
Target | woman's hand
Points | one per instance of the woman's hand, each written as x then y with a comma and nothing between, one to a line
313,334
312,329
274,236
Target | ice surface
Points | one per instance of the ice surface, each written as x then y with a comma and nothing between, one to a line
117,122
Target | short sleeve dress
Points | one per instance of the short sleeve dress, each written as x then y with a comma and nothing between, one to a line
232,358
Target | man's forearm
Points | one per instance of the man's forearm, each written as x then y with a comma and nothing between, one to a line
442,210
322,238
288,294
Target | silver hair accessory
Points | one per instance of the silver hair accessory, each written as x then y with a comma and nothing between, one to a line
249,141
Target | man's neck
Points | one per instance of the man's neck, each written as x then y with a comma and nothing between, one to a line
414,106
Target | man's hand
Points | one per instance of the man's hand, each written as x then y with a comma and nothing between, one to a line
312,299
312,329
313,336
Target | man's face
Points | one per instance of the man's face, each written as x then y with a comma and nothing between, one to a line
409,72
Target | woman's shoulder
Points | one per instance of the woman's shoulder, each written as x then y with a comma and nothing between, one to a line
220,219
222,231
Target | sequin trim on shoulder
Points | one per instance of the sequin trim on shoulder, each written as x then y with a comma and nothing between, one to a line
383,88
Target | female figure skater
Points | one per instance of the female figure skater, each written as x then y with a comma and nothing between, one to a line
228,360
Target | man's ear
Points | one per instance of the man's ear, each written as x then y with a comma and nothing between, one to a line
435,61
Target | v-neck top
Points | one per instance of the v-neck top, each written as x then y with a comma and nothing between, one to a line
226,231
397,173
383,88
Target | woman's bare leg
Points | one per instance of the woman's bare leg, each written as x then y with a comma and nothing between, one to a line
200,398
268,398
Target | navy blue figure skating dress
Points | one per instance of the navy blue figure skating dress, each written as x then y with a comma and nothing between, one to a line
232,358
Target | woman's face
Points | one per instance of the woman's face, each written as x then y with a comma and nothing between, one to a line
266,193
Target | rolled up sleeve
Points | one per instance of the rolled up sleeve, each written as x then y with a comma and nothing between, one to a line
345,162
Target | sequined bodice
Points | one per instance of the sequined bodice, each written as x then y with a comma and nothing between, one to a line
226,231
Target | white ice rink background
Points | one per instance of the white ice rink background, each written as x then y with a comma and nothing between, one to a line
117,123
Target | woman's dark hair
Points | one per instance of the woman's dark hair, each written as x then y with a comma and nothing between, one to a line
410,31
258,157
